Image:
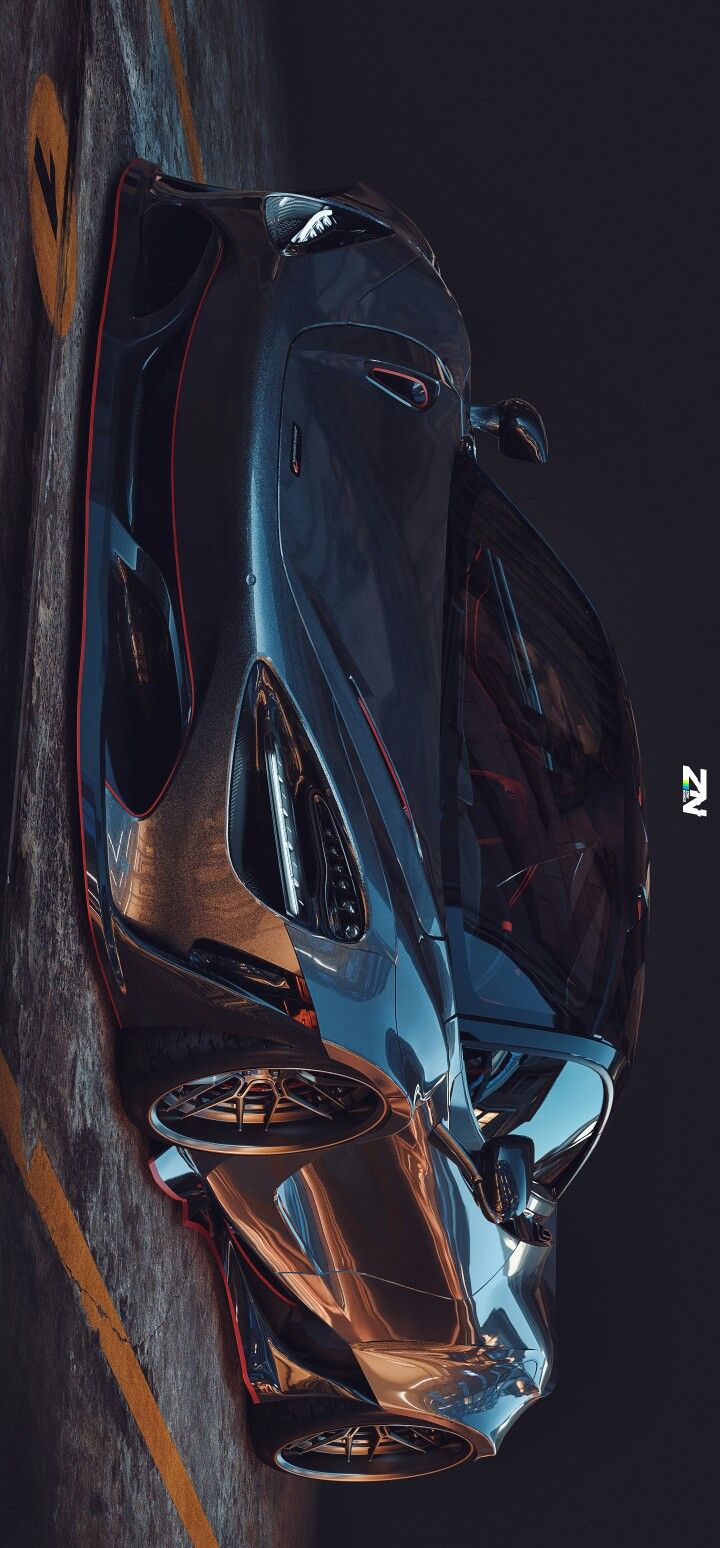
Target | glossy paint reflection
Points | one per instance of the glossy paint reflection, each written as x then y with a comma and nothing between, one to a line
445,1313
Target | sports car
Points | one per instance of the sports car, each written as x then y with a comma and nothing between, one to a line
362,817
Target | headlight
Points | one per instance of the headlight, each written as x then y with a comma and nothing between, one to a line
280,793
297,223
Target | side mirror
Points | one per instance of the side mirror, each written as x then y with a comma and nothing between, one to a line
518,426
506,1170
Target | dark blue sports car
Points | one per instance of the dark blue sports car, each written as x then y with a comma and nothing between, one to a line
362,817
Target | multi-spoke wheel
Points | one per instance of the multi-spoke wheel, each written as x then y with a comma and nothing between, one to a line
353,1443
201,1091
390,1450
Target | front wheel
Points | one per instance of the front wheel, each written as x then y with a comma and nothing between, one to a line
204,1091
348,1442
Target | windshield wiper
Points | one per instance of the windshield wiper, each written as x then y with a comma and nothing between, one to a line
515,641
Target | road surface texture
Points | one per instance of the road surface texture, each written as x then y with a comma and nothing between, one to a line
75,1465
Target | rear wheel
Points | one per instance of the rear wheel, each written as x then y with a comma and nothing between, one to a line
204,1091
352,1442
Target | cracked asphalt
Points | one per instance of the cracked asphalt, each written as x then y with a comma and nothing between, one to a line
74,1468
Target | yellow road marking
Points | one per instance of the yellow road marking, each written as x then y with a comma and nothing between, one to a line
181,90
52,209
54,234
45,1190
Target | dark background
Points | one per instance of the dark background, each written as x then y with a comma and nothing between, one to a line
562,160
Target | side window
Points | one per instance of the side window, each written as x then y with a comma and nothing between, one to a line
556,1103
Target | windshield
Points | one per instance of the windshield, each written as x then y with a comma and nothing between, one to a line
533,779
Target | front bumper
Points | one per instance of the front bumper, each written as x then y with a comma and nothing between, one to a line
159,870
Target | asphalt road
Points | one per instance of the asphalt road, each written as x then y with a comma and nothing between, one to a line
74,1468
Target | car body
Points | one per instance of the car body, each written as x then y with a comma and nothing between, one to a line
362,819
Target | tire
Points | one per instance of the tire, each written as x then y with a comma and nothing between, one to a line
270,1102
281,1430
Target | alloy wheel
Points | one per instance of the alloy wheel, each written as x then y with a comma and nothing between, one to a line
389,1450
264,1109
